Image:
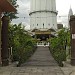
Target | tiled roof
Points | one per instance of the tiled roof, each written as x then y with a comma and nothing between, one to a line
6,6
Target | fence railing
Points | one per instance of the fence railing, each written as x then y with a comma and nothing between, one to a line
42,43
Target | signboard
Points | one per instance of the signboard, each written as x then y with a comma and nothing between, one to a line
73,36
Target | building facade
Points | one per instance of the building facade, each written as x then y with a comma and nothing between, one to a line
43,14
59,26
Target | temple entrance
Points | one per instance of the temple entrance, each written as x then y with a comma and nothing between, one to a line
42,37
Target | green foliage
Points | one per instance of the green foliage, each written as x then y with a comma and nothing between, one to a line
58,45
22,43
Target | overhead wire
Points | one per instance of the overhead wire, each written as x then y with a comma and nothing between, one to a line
44,17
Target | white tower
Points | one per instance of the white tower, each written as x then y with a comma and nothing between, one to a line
69,14
43,14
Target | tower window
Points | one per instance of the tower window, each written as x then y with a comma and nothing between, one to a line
43,25
37,24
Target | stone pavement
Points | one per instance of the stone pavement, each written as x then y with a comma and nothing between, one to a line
68,69
41,57
30,71
41,63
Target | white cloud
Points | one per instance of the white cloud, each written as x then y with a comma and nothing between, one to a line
23,11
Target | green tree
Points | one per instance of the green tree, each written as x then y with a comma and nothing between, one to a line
22,43
58,45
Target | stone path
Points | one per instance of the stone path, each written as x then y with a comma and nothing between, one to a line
41,57
41,63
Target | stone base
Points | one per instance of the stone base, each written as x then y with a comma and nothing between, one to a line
73,62
5,62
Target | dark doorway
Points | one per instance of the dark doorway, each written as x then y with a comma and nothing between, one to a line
42,37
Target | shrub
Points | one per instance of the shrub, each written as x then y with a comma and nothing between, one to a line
22,43
58,46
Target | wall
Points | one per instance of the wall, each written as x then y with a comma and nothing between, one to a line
43,5
47,18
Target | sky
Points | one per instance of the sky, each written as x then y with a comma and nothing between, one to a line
62,6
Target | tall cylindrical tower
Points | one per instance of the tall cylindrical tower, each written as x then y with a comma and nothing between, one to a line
43,14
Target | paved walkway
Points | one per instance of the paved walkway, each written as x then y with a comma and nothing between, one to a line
41,57
41,63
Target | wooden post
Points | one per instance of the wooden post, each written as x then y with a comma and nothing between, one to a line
72,29
5,51
0,37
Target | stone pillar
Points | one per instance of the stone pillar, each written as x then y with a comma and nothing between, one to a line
5,52
72,29
0,38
